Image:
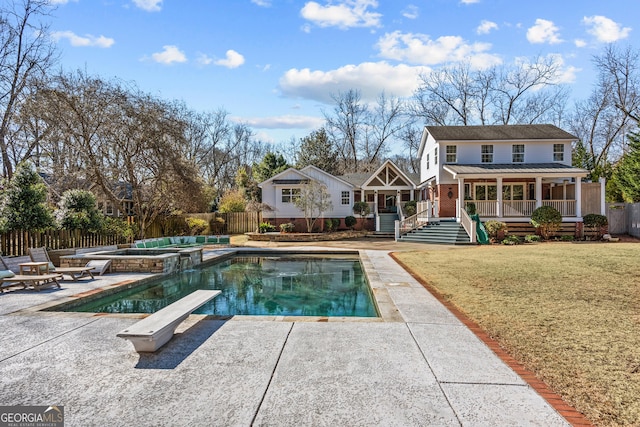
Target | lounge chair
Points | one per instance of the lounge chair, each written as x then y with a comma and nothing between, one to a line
41,255
38,281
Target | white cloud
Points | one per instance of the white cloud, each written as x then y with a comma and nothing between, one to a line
370,78
262,3
485,27
232,60
149,5
543,32
420,49
411,12
567,74
469,1
579,43
605,29
55,2
79,41
169,55
203,59
281,122
345,14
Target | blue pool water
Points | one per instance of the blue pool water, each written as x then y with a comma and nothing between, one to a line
286,285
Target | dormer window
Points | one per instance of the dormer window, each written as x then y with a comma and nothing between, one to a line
487,154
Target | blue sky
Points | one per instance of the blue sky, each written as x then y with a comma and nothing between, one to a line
274,64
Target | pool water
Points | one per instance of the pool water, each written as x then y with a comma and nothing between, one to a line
286,285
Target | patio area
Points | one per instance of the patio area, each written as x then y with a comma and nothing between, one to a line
418,365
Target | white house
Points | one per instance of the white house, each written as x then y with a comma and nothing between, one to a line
281,190
504,172
384,190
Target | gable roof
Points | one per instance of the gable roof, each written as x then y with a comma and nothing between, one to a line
282,177
359,179
499,133
308,168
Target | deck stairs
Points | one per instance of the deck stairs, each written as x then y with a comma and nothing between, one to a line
387,225
448,232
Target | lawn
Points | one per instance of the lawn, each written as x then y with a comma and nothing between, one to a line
570,312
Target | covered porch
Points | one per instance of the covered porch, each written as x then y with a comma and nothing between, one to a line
511,192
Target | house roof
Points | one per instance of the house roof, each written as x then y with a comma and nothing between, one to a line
499,133
555,170
359,179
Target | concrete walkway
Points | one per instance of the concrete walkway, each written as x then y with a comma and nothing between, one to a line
417,366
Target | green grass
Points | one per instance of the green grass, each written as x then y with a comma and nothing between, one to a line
570,312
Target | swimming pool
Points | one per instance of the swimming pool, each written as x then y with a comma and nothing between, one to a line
260,284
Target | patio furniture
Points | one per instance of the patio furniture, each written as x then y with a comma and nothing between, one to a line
40,257
152,332
38,281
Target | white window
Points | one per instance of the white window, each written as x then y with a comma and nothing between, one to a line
487,154
435,156
289,195
427,160
517,153
558,152
452,153
485,191
346,200
109,210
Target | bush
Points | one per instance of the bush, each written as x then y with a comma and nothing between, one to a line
410,208
331,224
350,221
118,227
196,225
511,240
232,201
494,227
287,227
216,225
567,238
595,223
265,227
547,220
470,208
531,238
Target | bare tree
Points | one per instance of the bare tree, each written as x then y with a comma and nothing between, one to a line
459,95
346,126
314,200
26,53
384,124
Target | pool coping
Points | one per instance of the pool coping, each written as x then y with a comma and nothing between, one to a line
384,305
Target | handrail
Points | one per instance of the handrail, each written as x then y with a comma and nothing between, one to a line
400,212
468,224
411,223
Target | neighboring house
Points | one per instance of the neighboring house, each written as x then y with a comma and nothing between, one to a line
383,190
503,172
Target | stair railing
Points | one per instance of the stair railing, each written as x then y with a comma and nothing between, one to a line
411,223
468,224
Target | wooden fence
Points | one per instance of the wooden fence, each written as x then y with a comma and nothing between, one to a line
624,218
219,223
17,243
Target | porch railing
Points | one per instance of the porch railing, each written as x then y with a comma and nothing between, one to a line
565,207
428,206
520,208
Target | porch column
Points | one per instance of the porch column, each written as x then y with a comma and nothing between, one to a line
564,190
460,197
499,207
375,202
538,191
362,198
412,194
603,202
578,196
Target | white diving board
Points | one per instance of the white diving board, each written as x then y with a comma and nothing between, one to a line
152,332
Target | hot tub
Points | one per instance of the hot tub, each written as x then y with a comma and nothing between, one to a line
138,260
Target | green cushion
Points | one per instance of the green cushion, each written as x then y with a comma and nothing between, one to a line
140,245
224,239
5,274
200,239
151,244
51,267
166,241
212,239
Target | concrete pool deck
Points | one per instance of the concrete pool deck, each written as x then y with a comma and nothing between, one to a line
418,366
